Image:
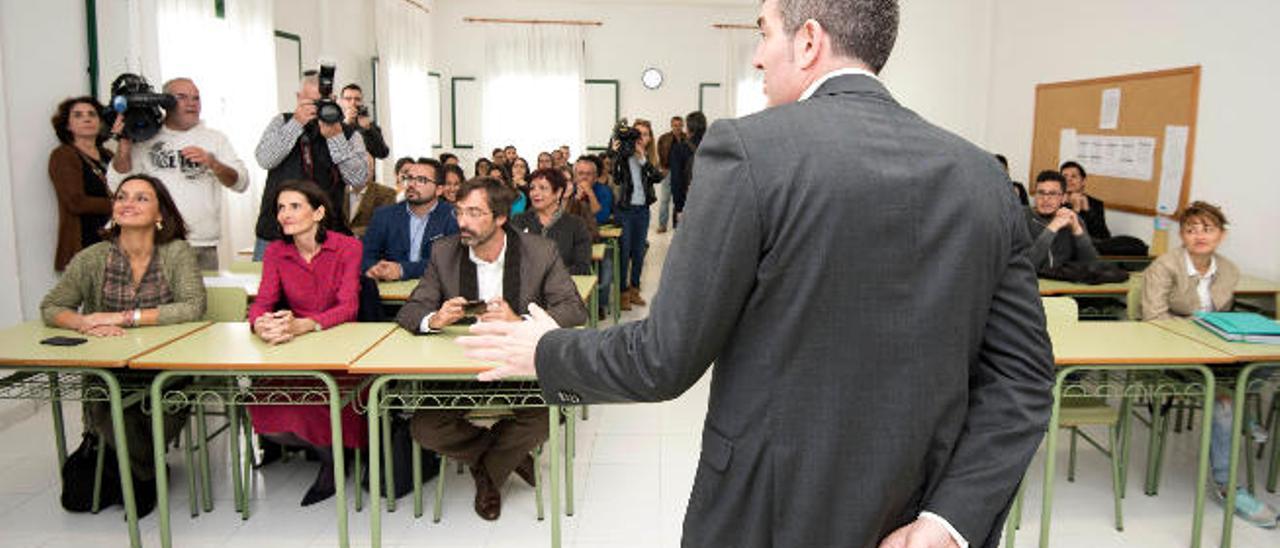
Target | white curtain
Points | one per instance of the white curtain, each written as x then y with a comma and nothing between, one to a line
533,90
401,31
744,89
232,60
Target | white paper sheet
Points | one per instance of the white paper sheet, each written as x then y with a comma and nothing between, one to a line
1110,112
1124,157
1173,164
1067,145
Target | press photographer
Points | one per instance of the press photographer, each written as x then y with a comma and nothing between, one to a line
356,114
309,143
635,171
192,160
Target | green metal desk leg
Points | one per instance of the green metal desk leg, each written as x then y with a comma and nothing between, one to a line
1014,520
570,430
390,474
1242,389
1050,457
1273,468
375,463
206,481
616,302
1126,428
247,457
417,481
59,430
233,437
359,492
193,496
339,467
122,454
554,439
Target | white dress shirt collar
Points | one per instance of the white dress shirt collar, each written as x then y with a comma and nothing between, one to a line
813,88
489,274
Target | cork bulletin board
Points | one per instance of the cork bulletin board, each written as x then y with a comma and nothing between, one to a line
1133,133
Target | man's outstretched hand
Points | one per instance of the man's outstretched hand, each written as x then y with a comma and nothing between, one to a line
512,344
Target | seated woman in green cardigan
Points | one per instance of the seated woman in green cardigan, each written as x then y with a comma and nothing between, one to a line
142,273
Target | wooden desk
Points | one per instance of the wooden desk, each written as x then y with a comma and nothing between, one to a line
1128,346
1058,288
397,292
407,358
20,345
391,292
232,345
610,231
21,351
597,252
1257,356
230,349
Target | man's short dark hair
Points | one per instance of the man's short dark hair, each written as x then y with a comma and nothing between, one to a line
352,85
594,161
1075,164
495,151
444,157
454,169
512,147
1003,161
500,195
401,162
1052,175
677,117
437,169
864,29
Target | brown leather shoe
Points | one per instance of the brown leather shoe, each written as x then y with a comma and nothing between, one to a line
488,498
624,300
635,297
526,470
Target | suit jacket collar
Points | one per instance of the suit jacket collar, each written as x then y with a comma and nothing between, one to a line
856,84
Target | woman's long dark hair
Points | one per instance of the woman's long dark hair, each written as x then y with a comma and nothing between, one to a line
172,227
696,121
63,115
317,198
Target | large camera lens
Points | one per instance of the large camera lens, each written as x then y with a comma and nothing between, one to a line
328,111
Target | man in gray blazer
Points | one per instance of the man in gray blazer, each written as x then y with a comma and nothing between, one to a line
860,279
509,271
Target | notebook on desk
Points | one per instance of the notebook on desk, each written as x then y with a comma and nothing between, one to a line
1240,326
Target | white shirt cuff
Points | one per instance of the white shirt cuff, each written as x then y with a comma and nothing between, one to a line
955,535
425,326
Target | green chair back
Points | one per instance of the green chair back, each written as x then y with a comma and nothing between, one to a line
1060,310
226,304
245,267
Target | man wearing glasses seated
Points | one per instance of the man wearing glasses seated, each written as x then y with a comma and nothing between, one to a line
1057,233
492,273
397,244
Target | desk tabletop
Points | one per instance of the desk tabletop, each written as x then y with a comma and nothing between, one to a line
609,231
1248,285
20,345
1128,343
231,345
1058,287
585,285
1244,352
405,352
597,252
397,291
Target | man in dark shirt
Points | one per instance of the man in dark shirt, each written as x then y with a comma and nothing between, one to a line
1051,245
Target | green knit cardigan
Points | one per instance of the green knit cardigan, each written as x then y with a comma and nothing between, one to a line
80,288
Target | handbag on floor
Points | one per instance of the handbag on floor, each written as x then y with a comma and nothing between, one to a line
402,459
77,477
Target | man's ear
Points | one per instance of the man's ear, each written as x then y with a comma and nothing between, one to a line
809,43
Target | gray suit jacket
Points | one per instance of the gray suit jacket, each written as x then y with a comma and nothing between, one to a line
541,278
860,279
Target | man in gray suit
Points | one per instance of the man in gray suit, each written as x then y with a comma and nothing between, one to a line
860,279
509,271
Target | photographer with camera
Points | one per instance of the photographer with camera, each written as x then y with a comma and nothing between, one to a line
356,114
309,143
192,160
635,171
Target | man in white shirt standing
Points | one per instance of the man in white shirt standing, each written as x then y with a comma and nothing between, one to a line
194,161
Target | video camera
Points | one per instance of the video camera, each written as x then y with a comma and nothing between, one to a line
143,109
626,137
327,109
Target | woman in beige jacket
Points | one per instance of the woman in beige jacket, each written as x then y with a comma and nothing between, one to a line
1195,278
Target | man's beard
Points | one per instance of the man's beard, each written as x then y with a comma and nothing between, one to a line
472,239
417,200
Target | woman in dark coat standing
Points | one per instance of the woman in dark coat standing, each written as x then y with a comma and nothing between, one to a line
77,169
681,161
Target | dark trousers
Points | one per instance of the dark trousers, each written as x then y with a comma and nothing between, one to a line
499,448
635,242
137,433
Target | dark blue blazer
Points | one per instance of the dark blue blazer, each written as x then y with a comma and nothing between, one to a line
388,237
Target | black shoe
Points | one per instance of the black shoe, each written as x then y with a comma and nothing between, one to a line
144,496
271,452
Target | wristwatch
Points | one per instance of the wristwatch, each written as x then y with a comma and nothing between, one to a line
137,317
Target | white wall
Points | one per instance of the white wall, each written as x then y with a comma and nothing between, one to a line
677,39
44,60
10,295
1046,41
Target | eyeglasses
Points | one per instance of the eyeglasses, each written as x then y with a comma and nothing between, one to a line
1044,194
422,180
471,212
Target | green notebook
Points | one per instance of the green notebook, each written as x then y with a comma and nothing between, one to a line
1240,326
